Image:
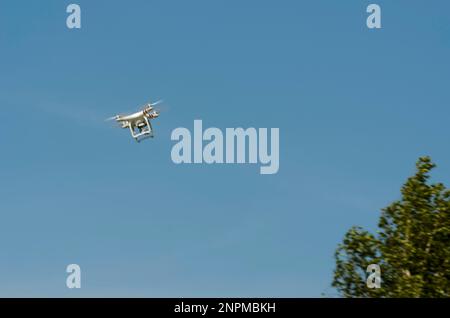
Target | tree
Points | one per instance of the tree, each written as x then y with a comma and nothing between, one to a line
412,246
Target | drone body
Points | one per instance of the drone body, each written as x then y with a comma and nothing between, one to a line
139,123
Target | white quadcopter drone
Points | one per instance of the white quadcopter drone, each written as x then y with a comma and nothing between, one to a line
139,122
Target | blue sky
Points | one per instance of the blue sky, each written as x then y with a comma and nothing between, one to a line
355,108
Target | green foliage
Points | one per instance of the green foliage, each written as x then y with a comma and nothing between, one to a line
412,245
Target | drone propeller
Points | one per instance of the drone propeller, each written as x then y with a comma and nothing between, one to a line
161,108
111,118
156,103
158,110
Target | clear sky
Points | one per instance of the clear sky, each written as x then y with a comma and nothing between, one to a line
355,108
